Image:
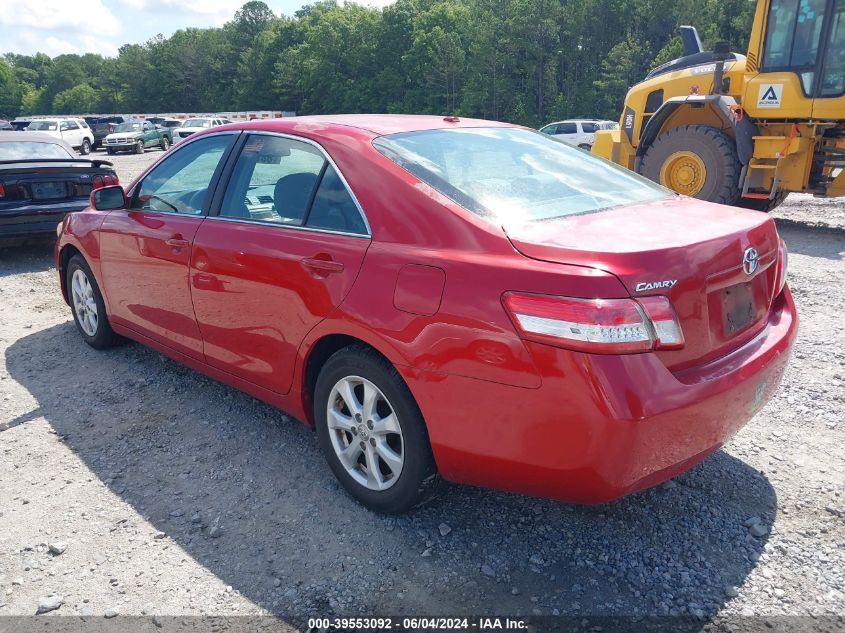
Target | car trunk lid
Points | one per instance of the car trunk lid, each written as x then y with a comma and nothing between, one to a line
30,183
688,250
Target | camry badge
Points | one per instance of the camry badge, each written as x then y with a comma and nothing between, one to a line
750,260
654,285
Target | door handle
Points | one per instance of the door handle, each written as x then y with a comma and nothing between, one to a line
322,266
176,242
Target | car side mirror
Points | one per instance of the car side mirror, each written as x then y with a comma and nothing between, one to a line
108,198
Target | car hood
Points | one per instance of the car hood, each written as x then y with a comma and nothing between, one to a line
122,134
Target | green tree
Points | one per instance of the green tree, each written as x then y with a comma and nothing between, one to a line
10,92
81,99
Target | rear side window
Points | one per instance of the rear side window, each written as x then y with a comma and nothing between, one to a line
588,128
273,181
515,175
286,181
334,208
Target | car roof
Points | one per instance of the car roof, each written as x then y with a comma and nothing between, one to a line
374,124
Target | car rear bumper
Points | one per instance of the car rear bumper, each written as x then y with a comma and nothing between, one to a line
600,426
36,221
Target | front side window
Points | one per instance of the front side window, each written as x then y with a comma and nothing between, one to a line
514,175
567,128
180,183
794,31
549,129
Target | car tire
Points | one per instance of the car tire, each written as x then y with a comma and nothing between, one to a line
585,146
696,160
393,439
110,151
85,148
165,144
87,306
139,147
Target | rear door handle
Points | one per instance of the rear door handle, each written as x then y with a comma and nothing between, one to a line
176,242
322,266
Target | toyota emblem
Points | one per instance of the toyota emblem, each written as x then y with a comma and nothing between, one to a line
750,260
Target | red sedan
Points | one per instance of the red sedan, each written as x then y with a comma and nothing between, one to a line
444,298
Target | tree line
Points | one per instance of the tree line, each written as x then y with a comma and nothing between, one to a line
524,61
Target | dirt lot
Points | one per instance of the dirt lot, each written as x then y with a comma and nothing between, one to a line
131,485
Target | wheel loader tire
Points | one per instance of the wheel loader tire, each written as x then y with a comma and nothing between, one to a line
696,160
762,205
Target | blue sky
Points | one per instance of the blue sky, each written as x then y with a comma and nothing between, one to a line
101,26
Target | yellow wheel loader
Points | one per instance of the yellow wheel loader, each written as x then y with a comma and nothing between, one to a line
744,129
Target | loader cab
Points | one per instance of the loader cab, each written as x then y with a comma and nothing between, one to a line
800,45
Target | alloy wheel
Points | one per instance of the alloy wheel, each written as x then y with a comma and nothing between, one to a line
365,433
84,303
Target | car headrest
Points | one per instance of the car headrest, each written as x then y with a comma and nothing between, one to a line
292,194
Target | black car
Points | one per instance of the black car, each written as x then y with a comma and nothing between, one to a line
102,126
42,180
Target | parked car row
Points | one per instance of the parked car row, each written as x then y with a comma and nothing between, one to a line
578,132
115,132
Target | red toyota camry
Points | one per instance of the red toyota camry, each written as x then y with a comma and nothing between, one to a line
444,298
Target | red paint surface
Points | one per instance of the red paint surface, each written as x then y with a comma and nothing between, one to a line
242,306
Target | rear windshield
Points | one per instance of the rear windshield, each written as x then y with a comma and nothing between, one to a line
23,150
43,125
128,127
514,175
197,123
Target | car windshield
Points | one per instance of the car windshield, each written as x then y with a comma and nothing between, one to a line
514,175
24,150
197,123
128,127
50,126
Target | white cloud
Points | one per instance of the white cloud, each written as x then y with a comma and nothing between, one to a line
205,8
28,41
58,14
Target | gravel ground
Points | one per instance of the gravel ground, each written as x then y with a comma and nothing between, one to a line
132,485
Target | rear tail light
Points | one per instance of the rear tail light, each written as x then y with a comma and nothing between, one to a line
609,326
2,191
104,180
783,262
